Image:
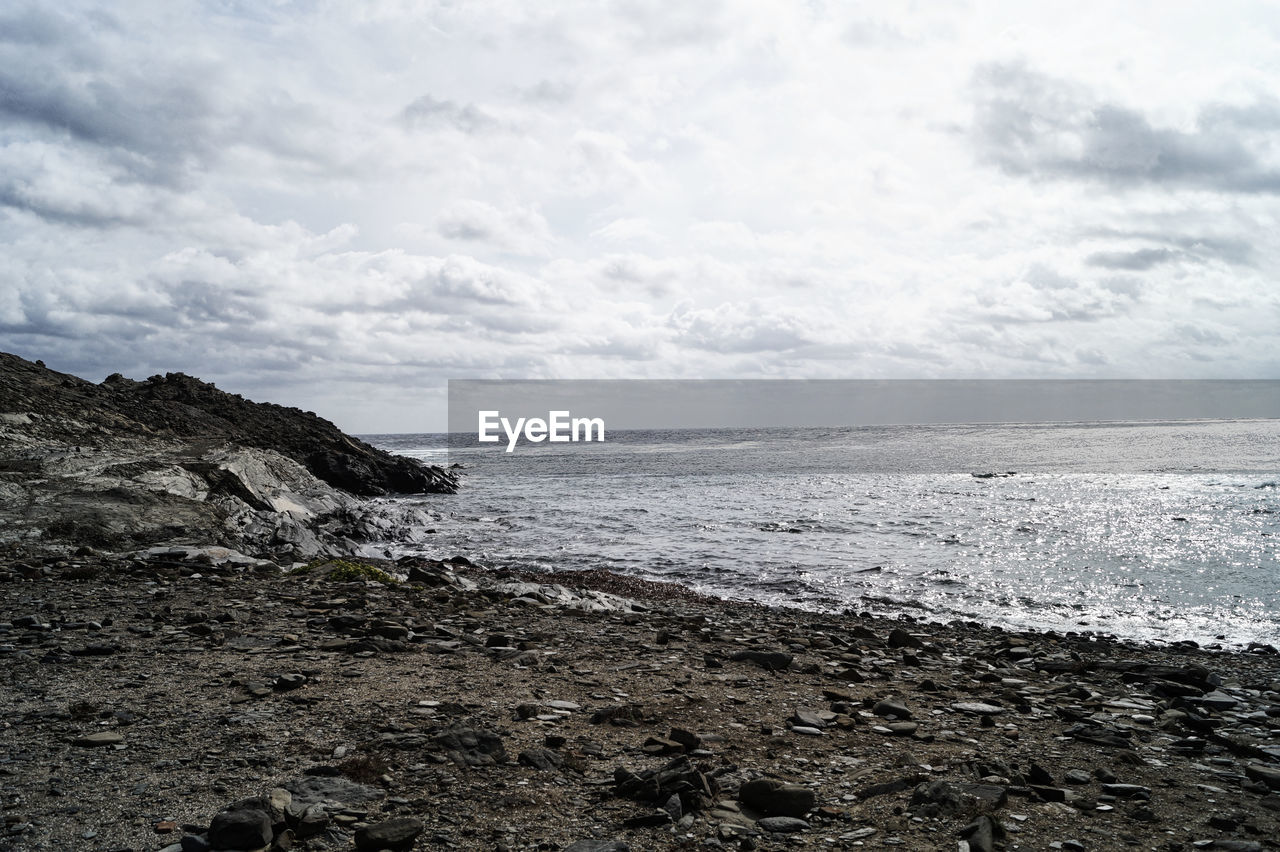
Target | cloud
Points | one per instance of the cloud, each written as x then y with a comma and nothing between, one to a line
518,229
737,328
1032,125
1134,261
429,112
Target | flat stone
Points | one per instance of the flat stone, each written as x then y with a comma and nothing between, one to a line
782,825
395,834
977,708
102,738
593,845
1217,701
563,705
317,790
1127,791
1269,775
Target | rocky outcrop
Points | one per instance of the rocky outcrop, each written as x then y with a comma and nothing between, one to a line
174,461
51,405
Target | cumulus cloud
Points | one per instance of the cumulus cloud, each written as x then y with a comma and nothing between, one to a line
1034,125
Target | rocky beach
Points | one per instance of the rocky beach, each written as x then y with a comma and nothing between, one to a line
198,654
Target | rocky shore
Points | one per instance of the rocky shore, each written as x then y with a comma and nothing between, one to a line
124,465
171,701
198,653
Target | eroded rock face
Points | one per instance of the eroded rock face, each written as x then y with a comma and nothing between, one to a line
48,406
172,461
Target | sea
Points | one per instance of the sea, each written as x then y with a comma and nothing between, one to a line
1156,531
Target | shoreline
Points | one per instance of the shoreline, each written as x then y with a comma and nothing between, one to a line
489,714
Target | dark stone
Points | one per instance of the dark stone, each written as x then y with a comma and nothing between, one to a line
887,707
899,638
540,758
242,829
1038,775
688,739
1127,791
772,797
471,746
768,660
1269,775
395,834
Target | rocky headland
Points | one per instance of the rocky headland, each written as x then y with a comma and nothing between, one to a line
174,460
183,673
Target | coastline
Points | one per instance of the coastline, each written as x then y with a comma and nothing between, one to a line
497,716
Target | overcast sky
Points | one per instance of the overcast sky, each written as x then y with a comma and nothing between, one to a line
342,205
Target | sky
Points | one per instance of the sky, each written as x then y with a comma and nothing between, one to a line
342,206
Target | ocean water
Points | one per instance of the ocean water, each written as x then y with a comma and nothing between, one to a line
1164,531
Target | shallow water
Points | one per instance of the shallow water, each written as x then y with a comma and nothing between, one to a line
1148,530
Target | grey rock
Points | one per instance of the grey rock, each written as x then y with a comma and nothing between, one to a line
287,682
981,835
395,834
540,758
782,825
317,790
594,845
471,746
240,829
1127,791
889,707
1269,775
808,719
99,739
